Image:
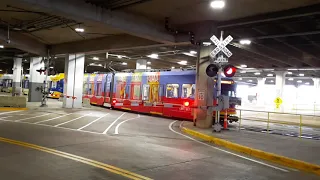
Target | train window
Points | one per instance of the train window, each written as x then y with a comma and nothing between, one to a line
145,92
99,89
85,89
172,91
188,90
154,92
136,91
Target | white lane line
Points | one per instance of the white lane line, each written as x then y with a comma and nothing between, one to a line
116,130
53,118
93,122
11,112
33,117
72,120
46,125
105,132
243,157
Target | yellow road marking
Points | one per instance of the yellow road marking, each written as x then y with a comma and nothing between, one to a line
94,163
11,109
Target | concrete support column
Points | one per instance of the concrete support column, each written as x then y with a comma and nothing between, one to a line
36,80
280,82
260,89
141,64
316,82
205,88
17,72
73,81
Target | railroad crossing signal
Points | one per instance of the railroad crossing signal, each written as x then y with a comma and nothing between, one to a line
278,102
221,46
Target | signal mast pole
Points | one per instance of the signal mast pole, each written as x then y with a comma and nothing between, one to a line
217,121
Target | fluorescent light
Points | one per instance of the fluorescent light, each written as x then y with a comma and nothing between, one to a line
95,58
51,67
189,54
193,52
240,79
148,62
292,69
124,63
79,29
290,79
217,4
153,56
301,74
183,62
1,46
172,67
0,69
272,81
250,80
119,57
242,72
270,75
206,43
257,73
245,42
299,81
243,66
148,67
289,72
307,83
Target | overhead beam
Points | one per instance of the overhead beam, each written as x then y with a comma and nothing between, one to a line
100,45
274,16
126,22
24,42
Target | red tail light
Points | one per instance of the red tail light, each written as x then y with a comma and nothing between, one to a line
186,103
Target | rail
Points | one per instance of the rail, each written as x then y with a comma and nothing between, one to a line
289,124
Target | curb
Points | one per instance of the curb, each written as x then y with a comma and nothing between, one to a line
282,160
11,109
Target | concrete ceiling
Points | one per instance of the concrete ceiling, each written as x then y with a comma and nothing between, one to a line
282,37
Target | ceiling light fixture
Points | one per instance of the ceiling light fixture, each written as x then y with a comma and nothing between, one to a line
119,57
1,46
270,75
95,58
250,80
301,74
189,54
217,4
243,66
289,72
206,43
299,81
290,79
148,67
0,69
153,56
240,79
148,62
79,29
257,73
51,67
193,52
172,67
272,81
307,83
183,62
243,72
124,63
245,42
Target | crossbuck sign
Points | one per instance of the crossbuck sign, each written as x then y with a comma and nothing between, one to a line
221,46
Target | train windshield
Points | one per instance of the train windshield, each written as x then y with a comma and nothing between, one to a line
228,90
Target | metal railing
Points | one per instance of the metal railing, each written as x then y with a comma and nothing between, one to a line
288,124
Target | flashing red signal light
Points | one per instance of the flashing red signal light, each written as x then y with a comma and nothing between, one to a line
229,70
186,103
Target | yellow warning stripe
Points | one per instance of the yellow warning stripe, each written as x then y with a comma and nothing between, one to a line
94,163
158,113
11,109
282,160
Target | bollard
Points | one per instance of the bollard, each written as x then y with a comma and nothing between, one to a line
240,120
225,122
268,124
300,126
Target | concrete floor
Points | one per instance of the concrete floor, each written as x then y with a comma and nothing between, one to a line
149,146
